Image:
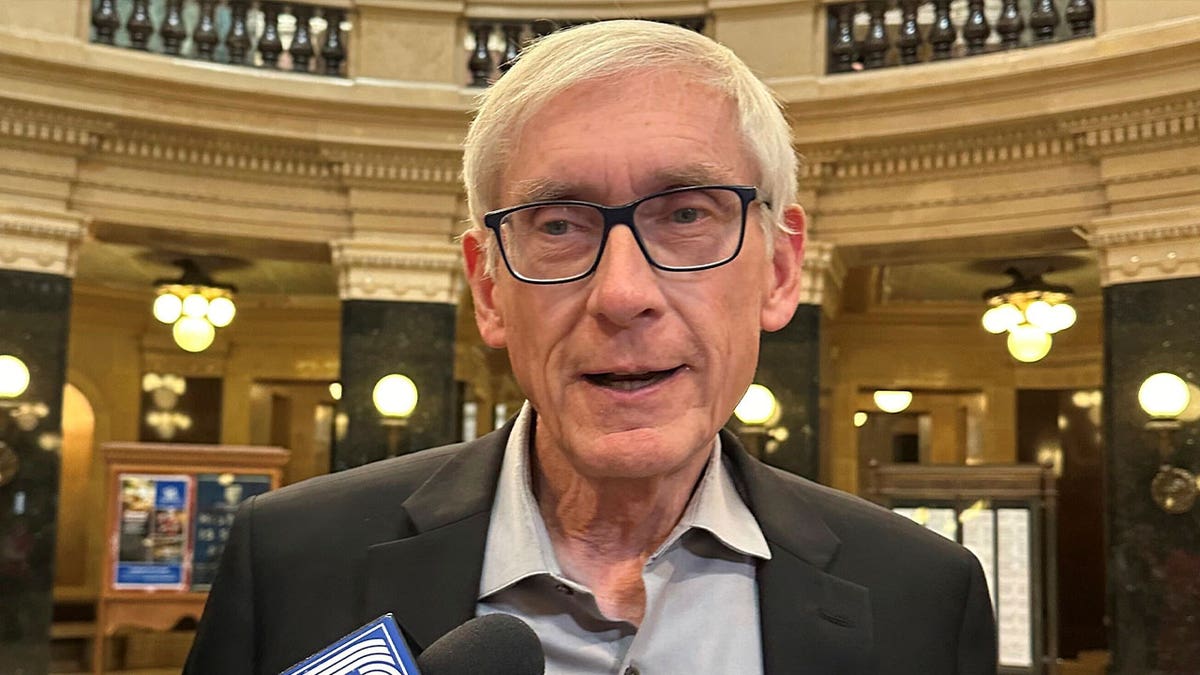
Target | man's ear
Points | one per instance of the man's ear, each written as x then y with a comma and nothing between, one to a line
488,316
783,292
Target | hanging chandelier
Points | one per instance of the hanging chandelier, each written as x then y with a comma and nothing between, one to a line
1031,311
194,306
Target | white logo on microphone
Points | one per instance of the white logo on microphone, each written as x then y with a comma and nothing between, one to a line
375,649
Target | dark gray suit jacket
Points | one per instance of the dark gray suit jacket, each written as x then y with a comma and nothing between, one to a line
850,587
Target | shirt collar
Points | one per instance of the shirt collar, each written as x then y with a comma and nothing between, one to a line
518,545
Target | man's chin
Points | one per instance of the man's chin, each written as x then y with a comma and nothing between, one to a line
637,454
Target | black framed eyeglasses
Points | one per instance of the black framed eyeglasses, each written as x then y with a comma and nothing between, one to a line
684,229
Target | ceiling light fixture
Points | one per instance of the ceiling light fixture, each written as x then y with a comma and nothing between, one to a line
195,306
1030,310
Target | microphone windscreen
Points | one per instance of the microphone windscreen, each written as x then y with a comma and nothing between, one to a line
493,644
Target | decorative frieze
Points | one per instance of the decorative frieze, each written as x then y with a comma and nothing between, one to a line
398,270
821,276
40,240
1082,136
431,168
1147,246
20,123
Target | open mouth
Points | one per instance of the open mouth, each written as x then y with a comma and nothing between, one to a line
630,381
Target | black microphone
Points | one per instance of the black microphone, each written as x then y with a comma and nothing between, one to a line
493,644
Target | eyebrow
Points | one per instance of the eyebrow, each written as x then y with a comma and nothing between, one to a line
550,189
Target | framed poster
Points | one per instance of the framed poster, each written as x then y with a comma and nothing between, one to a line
217,498
153,546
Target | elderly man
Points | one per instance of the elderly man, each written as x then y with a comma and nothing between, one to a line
632,191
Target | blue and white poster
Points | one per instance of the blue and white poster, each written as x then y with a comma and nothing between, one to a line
217,500
152,532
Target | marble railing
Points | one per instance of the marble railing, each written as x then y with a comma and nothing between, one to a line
296,36
881,33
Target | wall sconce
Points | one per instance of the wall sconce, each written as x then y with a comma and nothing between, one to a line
395,397
14,380
892,400
1166,398
758,411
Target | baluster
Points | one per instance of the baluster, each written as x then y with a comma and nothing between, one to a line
1080,14
480,62
543,27
512,45
139,25
172,30
269,45
909,38
106,21
1043,19
842,50
237,38
205,35
976,29
696,25
1009,24
876,45
302,47
333,51
942,34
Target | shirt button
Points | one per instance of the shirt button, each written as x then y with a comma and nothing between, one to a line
632,671
567,590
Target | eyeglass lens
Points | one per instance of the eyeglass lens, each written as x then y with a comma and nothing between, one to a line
692,228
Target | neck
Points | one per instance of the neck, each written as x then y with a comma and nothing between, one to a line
604,529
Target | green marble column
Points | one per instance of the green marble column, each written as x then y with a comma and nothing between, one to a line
36,263
1151,272
789,364
398,316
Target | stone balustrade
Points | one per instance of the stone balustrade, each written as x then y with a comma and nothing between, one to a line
881,33
300,37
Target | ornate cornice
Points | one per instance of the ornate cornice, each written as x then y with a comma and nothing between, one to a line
46,126
40,240
822,275
228,155
397,270
1147,246
435,169
1083,137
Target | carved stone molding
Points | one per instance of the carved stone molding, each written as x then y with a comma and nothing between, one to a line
24,124
431,168
397,270
1147,246
821,276
1139,125
40,240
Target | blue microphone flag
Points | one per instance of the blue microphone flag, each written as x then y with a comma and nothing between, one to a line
375,649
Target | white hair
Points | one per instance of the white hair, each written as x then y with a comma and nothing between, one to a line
606,49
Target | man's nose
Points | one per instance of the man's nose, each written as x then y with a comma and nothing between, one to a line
624,286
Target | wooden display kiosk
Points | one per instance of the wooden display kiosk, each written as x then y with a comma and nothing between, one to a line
1006,515
170,506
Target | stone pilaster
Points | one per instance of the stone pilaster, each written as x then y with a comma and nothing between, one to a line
1150,266
789,362
399,298
37,260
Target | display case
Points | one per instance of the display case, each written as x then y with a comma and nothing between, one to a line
1006,516
170,507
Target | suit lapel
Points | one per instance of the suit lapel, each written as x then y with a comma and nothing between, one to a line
813,622
429,577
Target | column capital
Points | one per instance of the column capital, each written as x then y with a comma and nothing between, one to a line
1146,246
399,270
41,240
821,276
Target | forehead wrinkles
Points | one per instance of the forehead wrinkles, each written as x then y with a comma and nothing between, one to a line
548,189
